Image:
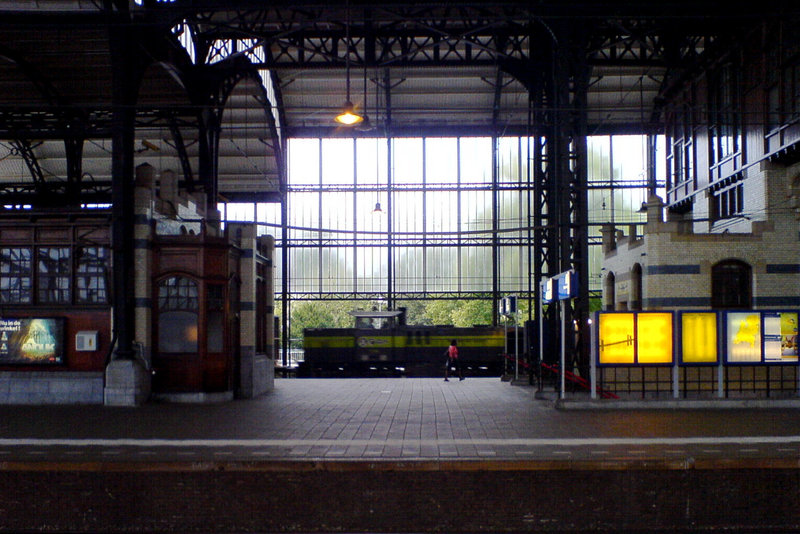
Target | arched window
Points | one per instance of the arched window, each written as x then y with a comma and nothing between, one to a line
178,308
609,292
636,287
731,283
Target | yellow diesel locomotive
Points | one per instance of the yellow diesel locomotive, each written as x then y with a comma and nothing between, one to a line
382,344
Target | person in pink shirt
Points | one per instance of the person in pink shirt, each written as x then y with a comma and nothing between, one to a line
452,360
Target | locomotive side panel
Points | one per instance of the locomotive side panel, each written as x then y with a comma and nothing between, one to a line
408,350
325,349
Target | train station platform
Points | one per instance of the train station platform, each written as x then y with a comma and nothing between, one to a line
399,455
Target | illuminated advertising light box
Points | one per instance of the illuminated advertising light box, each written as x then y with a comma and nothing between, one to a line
616,335
780,336
743,337
638,338
654,338
699,338
32,341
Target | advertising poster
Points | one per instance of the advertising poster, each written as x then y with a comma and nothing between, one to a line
654,338
31,341
743,336
616,337
699,337
780,336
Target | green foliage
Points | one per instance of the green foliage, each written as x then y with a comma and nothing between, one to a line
459,312
470,312
317,314
415,312
440,311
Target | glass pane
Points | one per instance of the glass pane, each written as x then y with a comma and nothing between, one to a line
476,210
371,164
476,160
409,269
407,211
304,214
508,154
476,269
240,211
304,161
304,266
177,331
337,162
513,271
406,161
630,158
337,213
441,160
372,264
215,332
337,269
16,277
371,224
53,263
442,212
599,158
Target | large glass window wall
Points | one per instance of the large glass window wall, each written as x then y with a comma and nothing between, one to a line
433,215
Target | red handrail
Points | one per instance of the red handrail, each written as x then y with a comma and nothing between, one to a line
569,375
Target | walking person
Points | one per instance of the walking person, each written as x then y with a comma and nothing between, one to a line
452,360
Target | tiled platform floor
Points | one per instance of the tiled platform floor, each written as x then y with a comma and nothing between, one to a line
393,419
397,455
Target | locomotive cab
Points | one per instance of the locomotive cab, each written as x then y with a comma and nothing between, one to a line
375,338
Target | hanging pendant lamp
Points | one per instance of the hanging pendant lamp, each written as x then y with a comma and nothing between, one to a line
348,115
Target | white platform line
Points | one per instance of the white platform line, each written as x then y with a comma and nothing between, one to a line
487,443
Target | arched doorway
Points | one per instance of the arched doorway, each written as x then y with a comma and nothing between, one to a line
731,285
636,288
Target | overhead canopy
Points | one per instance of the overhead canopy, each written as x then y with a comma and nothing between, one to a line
275,71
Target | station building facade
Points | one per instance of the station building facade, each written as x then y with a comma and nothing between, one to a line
204,320
727,235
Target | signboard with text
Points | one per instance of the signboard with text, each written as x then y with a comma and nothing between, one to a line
761,336
566,285
546,287
31,341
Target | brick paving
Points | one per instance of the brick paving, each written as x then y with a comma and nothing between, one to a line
389,419
396,455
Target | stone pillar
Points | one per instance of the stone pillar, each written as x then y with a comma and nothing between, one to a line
143,254
257,369
168,189
267,243
245,236
631,233
655,209
609,241
128,382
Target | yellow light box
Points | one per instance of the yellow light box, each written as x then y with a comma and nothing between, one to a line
699,337
616,336
654,338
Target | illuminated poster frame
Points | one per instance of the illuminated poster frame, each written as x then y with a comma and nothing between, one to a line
32,341
761,337
635,339
703,327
